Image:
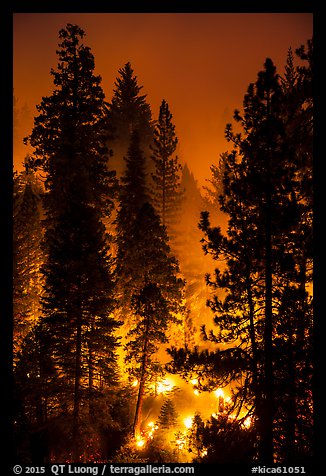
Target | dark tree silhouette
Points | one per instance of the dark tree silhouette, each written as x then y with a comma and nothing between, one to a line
128,111
168,417
167,194
155,304
69,137
133,195
257,303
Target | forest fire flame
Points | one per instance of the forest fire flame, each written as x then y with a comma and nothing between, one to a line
151,429
188,422
140,442
115,290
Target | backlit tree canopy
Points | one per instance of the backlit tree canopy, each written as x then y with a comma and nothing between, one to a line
155,320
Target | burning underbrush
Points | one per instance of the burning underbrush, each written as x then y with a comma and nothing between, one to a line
183,424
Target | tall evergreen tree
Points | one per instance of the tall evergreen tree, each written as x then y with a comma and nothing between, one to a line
270,173
166,191
128,111
155,304
133,195
269,168
69,137
150,291
256,291
168,417
295,409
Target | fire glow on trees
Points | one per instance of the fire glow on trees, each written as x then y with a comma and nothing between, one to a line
217,400
180,437
109,260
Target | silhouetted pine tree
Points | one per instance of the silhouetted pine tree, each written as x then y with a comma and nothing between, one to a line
156,302
128,111
168,417
144,264
133,195
35,399
69,137
226,442
167,194
263,159
256,290
294,379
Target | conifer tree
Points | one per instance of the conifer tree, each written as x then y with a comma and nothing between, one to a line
150,291
168,417
196,436
268,168
256,291
294,414
133,195
128,111
69,137
156,302
166,192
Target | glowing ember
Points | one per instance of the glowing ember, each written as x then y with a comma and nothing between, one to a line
151,428
203,453
140,442
194,381
188,422
219,393
247,422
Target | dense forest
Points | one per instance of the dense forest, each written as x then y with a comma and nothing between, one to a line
154,320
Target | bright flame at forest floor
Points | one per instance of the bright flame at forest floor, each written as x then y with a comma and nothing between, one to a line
188,401
188,422
140,442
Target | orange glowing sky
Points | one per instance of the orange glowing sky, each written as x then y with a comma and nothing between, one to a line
201,63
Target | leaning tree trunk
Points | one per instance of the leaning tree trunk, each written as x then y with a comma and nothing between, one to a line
141,390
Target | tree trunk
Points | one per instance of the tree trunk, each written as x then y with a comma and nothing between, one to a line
90,380
139,406
266,437
164,192
291,416
142,381
77,377
252,334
